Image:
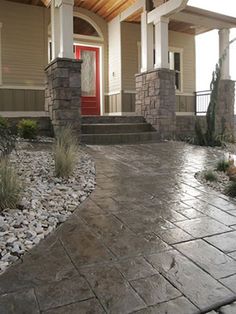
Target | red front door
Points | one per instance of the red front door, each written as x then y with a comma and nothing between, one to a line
90,80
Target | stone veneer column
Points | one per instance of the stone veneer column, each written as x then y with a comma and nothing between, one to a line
155,100
63,93
225,107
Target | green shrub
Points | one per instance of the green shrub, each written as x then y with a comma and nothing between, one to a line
3,123
7,138
65,151
10,187
231,189
222,165
210,176
28,129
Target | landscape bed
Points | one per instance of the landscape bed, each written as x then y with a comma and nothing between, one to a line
46,200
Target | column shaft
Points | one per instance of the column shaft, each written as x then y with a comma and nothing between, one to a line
147,60
224,53
161,43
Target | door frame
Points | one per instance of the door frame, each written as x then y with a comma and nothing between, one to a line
101,68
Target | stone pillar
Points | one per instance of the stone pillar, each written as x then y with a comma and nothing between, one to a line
63,92
225,108
155,100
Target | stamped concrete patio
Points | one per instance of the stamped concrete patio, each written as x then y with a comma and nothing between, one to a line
150,239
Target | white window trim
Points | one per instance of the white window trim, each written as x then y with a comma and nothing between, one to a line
179,50
0,53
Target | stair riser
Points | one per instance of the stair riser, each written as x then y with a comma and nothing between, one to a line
112,119
115,139
115,128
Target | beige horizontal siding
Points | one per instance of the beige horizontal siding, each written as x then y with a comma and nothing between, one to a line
24,43
130,36
114,41
187,43
21,100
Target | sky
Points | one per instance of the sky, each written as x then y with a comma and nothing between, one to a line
207,45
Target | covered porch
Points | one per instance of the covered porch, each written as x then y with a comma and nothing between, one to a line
116,41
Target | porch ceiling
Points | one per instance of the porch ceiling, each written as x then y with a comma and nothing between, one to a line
196,21
191,20
108,9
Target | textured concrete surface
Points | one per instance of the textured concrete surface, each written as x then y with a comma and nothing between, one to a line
151,239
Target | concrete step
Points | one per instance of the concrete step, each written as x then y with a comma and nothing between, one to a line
121,138
112,119
112,128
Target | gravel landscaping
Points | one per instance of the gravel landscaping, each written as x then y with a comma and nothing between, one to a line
222,179
46,202
219,185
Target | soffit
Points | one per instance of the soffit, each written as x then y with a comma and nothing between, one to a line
107,9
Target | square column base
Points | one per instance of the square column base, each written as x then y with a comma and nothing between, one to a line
225,108
156,100
63,93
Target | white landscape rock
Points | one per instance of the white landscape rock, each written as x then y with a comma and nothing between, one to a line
46,201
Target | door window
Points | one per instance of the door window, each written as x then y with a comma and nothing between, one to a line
88,70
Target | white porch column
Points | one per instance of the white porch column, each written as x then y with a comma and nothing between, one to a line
66,27
147,61
224,53
161,43
55,30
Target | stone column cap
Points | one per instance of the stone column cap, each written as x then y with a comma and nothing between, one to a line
63,61
155,70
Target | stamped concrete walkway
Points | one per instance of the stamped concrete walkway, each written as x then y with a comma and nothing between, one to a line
151,239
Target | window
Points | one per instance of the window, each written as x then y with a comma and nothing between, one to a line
175,62
83,27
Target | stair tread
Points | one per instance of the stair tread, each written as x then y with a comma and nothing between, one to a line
118,134
112,119
114,123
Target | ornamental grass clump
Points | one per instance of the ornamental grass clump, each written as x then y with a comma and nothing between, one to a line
65,152
210,176
222,165
10,186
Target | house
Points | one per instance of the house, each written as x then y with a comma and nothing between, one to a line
128,47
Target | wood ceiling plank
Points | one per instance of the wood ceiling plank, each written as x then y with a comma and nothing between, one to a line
114,7
118,10
46,2
107,9
110,7
95,5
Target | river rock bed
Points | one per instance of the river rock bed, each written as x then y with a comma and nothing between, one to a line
46,201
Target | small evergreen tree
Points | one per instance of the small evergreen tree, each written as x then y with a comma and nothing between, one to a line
209,138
